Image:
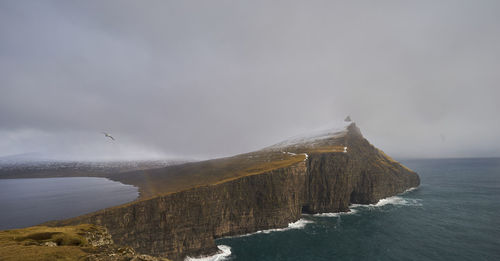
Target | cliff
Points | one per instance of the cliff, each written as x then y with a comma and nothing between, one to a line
316,175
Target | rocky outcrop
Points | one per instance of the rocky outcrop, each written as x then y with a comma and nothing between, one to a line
364,175
188,222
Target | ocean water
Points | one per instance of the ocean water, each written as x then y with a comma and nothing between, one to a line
453,215
28,202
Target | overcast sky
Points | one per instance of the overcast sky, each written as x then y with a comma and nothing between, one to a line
214,78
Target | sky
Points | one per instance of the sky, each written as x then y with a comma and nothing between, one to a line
206,79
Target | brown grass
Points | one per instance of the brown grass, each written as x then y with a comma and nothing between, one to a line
327,149
181,177
390,162
25,244
154,182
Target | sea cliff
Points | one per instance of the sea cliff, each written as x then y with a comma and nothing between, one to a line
326,179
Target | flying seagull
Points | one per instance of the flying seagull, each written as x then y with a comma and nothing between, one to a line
107,135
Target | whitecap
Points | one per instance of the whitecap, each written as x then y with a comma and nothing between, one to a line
395,200
409,190
336,214
224,253
299,224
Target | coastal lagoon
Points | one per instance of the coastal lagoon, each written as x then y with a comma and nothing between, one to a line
29,202
453,215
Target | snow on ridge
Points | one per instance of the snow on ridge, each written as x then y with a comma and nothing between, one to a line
336,131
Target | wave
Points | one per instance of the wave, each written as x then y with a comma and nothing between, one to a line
409,190
299,224
394,200
224,253
336,214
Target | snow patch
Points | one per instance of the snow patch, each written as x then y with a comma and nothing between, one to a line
295,154
336,131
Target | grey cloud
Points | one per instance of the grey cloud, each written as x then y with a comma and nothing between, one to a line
214,78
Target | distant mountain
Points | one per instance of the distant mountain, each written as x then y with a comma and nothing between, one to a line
23,157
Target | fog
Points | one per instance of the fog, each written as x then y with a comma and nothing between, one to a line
204,79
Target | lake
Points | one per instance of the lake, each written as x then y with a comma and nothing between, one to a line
28,202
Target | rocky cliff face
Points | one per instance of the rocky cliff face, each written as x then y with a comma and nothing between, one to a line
363,175
188,222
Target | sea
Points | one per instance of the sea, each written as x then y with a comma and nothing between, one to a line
453,215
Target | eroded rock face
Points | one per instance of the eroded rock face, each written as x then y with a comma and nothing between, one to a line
188,222
104,249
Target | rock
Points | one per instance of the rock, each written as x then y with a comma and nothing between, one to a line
49,244
98,237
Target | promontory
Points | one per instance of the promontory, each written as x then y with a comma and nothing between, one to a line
183,209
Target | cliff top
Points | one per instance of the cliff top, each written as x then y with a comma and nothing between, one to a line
153,182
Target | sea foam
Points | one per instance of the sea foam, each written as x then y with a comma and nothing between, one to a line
299,224
224,253
394,200
336,214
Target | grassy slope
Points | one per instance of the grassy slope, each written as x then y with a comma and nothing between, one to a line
25,244
170,179
81,242
180,177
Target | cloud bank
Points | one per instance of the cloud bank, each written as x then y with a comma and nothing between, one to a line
215,78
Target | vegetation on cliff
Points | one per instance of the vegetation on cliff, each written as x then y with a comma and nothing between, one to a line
82,242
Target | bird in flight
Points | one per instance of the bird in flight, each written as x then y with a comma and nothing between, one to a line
107,135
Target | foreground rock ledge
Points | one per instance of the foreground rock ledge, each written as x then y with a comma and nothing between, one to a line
81,242
326,179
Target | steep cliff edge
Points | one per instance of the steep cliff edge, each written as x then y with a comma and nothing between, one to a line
325,173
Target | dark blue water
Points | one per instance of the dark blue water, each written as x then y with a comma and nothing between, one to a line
28,202
453,215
